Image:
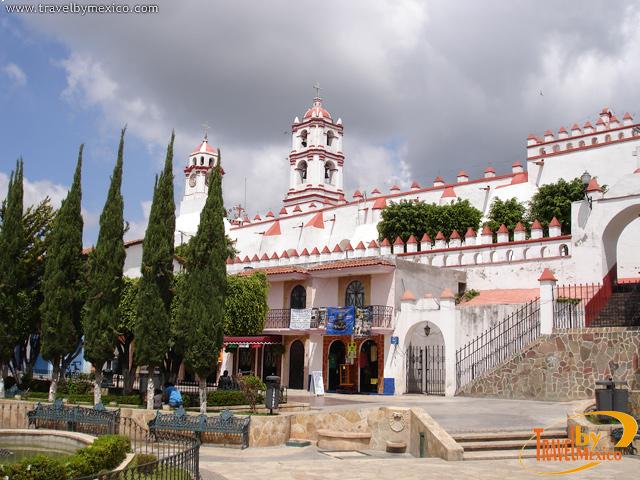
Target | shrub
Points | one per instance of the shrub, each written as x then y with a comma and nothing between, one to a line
105,453
227,398
250,385
144,463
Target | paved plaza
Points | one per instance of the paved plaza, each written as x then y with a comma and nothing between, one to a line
456,414
291,463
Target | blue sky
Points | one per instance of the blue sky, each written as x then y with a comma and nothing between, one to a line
425,88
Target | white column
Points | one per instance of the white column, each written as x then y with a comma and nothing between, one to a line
448,323
314,356
547,285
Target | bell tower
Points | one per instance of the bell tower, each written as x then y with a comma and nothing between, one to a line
196,177
316,159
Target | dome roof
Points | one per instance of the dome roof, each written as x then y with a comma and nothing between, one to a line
317,110
204,147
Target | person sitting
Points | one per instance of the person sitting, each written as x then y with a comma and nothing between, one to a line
157,398
174,395
225,382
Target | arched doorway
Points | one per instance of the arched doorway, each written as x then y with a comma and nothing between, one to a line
296,365
337,356
368,366
425,359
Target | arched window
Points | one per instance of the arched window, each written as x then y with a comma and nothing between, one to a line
328,172
354,294
211,162
303,138
564,250
620,136
298,297
556,148
569,146
302,171
607,138
330,137
201,160
594,140
581,144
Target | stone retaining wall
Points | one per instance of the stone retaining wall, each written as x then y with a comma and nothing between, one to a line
563,366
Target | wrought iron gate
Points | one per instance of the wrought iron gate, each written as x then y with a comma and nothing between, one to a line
426,369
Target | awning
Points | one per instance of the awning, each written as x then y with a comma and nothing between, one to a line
254,340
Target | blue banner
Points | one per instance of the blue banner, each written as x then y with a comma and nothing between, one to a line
340,320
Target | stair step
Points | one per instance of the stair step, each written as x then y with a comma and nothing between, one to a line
507,435
499,455
498,445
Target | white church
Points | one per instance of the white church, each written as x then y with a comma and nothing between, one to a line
412,334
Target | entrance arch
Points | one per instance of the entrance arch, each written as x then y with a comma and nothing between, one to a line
296,365
337,356
619,226
425,359
368,366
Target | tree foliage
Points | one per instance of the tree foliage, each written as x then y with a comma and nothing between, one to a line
12,273
201,310
507,212
155,288
554,200
62,283
246,304
104,279
408,218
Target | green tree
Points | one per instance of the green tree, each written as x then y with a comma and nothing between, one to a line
12,242
62,284
128,311
37,222
246,307
155,290
554,200
201,310
104,280
408,218
507,212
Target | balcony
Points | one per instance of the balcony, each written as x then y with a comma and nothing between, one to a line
280,318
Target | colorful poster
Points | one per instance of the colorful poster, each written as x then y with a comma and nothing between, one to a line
318,317
300,318
340,320
363,322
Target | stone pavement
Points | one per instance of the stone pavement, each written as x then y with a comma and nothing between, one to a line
291,463
456,414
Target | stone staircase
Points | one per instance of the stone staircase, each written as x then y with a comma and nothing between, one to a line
502,445
622,308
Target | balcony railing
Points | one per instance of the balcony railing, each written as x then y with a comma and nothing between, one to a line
280,318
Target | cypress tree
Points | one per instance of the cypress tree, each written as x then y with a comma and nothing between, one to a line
62,283
104,281
201,310
155,291
12,244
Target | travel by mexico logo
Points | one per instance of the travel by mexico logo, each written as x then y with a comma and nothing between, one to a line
583,449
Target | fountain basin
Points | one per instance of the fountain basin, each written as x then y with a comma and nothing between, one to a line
22,443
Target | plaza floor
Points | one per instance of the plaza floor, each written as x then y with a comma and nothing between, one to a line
455,414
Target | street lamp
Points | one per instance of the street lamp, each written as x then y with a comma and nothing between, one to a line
586,179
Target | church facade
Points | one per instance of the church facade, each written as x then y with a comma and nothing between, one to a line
324,259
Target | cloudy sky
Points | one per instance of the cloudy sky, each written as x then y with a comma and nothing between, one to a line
424,88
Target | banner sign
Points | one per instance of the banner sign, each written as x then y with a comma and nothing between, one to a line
364,317
340,320
319,317
300,319
317,383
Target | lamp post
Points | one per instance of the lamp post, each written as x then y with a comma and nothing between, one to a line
585,178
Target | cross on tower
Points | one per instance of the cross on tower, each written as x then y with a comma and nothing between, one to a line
317,87
206,130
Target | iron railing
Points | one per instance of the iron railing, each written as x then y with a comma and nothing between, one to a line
280,318
498,343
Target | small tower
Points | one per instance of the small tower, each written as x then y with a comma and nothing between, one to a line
196,177
316,158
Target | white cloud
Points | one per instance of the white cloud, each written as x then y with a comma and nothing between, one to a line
137,228
15,74
36,191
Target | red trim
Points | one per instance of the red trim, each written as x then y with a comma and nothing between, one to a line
257,339
574,137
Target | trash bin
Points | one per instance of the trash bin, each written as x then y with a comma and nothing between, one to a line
272,396
612,398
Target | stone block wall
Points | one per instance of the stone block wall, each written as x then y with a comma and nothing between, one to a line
563,366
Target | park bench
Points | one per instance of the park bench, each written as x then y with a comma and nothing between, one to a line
226,424
97,420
